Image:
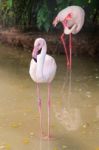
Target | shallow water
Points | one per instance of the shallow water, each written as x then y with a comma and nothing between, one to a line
74,111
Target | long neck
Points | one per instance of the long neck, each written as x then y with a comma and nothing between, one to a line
43,51
68,31
40,61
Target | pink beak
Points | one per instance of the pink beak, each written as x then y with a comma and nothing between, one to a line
55,22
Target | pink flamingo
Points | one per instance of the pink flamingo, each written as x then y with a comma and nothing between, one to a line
42,70
72,19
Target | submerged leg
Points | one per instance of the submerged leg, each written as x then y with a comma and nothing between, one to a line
70,49
63,42
39,107
48,106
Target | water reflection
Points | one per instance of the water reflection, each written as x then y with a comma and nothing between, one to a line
66,87
47,144
68,116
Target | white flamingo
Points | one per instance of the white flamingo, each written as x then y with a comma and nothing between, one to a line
42,70
72,19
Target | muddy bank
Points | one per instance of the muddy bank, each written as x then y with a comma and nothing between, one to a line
83,43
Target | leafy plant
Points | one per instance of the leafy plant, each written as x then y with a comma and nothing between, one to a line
9,3
39,13
61,4
43,18
6,13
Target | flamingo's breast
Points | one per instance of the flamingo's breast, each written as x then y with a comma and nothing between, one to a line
49,70
50,67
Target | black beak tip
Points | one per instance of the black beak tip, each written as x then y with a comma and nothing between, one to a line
35,59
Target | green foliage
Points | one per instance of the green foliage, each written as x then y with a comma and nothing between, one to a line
61,4
43,18
39,13
6,13
9,3
19,9
23,10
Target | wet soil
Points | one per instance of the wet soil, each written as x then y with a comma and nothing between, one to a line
84,43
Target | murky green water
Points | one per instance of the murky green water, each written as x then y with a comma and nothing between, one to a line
75,105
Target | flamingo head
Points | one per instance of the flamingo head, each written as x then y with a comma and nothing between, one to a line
38,44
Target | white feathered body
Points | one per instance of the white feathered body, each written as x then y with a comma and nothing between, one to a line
45,73
78,15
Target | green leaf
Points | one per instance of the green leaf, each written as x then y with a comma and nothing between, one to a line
10,2
89,1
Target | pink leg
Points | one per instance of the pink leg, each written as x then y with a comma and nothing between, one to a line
39,107
62,39
70,48
49,105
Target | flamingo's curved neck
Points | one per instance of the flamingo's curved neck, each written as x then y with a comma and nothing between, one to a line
43,51
68,31
40,61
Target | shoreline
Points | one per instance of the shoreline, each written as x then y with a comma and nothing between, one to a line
83,43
